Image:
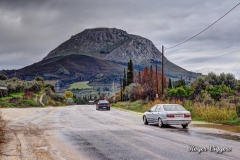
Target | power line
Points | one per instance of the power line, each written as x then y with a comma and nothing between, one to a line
204,29
235,67
213,57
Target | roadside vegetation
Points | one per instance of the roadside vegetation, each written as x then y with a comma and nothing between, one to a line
2,129
212,98
36,93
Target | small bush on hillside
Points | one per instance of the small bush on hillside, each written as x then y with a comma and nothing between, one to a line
40,79
3,77
33,86
48,91
50,85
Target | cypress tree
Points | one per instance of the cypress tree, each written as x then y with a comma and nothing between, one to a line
130,73
124,79
170,83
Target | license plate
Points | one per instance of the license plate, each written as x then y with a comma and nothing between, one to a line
103,107
178,115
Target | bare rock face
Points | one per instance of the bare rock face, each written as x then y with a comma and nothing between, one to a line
110,44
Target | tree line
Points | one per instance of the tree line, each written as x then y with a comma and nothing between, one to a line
143,84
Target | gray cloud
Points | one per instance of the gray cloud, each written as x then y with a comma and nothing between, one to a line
29,29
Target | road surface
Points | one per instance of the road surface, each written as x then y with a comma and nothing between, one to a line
82,132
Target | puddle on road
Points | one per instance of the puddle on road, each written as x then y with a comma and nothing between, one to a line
230,128
224,136
235,129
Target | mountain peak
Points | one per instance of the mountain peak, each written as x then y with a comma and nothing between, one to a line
110,44
99,31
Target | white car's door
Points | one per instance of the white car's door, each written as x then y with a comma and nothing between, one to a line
150,113
157,113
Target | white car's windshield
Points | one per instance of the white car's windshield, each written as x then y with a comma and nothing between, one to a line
174,108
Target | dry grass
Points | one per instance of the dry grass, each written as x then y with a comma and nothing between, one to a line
213,113
2,127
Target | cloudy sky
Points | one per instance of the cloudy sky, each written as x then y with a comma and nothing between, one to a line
30,29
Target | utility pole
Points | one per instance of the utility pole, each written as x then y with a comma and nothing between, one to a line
162,70
157,81
121,88
114,95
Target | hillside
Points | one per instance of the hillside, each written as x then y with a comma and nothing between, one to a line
69,69
118,46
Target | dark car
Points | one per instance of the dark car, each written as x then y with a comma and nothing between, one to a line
103,104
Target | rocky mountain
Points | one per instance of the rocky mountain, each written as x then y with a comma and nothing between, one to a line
99,55
118,46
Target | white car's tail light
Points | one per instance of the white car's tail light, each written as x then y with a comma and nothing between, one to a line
170,116
187,115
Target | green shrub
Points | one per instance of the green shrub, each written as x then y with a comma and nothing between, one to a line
5,104
40,79
29,103
34,86
3,77
50,85
238,110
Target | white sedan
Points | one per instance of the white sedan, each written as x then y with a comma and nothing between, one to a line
167,114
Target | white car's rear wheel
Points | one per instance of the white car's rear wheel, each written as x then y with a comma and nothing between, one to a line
160,124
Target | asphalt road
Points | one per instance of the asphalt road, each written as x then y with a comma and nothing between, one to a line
82,132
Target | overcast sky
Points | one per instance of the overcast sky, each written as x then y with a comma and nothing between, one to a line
30,29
